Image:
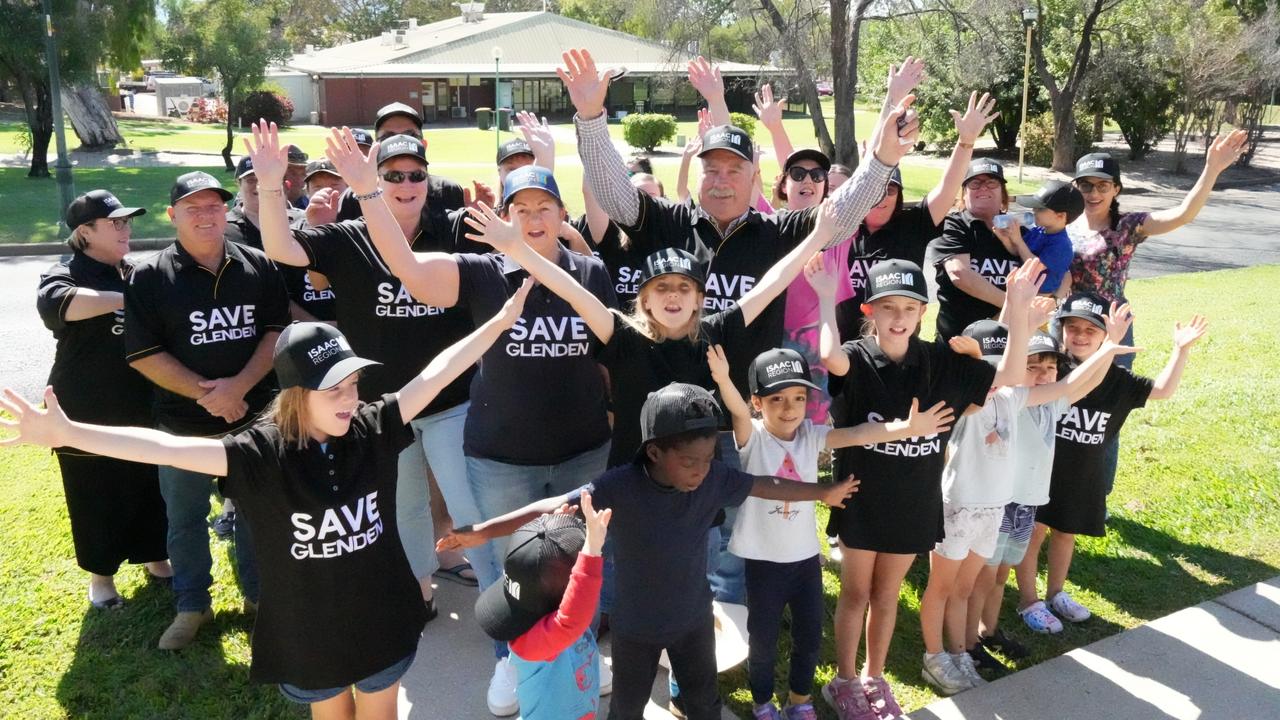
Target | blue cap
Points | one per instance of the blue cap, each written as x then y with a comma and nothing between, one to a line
529,176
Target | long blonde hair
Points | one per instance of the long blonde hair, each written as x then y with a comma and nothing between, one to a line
289,413
642,321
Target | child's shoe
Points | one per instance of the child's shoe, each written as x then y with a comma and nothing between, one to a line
881,697
964,663
940,670
848,700
803,711
1039,619
984,660
1001,641
1069,609
501,697
606,675
768,711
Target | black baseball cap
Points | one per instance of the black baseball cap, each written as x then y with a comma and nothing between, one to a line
529,176
1086,306
675,409
817,156
1098,165
95,205
244,167
314,356
402,145
191,183
896,277
363,137
296,156
778,369
895,177
315,167
672,261
731,138
396,108
534,576
1043,342
1057,196
512,148
985,166
992,338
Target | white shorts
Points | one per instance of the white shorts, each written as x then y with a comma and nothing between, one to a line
969,528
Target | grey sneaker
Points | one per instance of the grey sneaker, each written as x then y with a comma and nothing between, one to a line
964,662
183,629
848,700
940,671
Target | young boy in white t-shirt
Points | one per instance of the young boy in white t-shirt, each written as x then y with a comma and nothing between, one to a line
977,485
779,541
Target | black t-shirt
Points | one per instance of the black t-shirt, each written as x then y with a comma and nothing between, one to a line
93,382
539,397
898,506
339,601
624,264
443,197
210,321
904,237
319,303
377,313
638,366
734,263
1078,489
659,538
963,234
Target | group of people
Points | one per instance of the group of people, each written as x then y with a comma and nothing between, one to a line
395,378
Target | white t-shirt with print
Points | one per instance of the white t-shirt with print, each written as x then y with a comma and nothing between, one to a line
980,468
1033,451
772,530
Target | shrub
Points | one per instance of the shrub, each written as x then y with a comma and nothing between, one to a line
207,111
1038,138
270,106
744,121
648,130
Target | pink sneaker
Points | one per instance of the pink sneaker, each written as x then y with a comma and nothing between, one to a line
849,701
880,697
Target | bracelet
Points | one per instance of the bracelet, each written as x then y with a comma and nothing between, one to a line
370,196
273,191
965,145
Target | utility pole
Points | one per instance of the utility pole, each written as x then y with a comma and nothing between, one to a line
66,187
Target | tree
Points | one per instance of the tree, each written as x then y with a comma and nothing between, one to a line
234,39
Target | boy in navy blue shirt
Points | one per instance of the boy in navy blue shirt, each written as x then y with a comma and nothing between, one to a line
1056,204
665,501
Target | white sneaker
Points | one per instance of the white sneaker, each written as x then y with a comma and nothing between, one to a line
606,675
502,689
941,672
1068,609
964,663
834,555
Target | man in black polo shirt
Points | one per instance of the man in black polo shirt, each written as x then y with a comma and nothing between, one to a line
203,319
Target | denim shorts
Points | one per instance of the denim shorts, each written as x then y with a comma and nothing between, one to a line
376,682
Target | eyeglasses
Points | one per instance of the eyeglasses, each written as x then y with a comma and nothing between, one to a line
983,185
797,174
396,177
120,223
1085,187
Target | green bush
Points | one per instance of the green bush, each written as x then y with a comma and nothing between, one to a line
648,130
1038,138
267,105
744,121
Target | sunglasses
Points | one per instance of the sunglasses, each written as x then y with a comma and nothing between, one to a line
1085,187
396,177
798,174
983,185
119,223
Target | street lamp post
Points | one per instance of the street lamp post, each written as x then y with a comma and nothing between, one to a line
497,96
1030,14
66,190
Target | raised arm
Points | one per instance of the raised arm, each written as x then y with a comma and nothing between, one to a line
776,488
51,428
769,111
1089,374
597,219
777,278
918,424
472,535
739,411
1021,289
901,81
431,278
854,199
824,282
538,135
1184,336
270,159
603,169
706,79
1224,151
969,127
507,237
691,150
455,359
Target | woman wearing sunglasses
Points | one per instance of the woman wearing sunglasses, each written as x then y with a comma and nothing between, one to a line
115,507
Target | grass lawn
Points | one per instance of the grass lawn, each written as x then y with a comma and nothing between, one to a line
1196,513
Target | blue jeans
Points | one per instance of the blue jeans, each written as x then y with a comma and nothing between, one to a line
376,682
501,487
186,499
438,447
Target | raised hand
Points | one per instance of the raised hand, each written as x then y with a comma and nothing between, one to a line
705,123
1042,308
514,306
1118,322
460,538
965,345
587,86
826,222
895,142
478,193
706,78
1184,336
358,169
597,524
836,494
538,134
1225,150
693,146
929,422
270,158
1024,284
903,79
718,363
976,117
766,108
492,230
48,427
323,207
824,280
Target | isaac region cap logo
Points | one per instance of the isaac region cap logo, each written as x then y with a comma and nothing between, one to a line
731,138
96,205
1098,165
992,338
529,177
314,356
985,166
672,261
1086,306
191,183
402,146
778,369
896,277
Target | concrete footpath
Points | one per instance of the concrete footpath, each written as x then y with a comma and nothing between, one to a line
1218,659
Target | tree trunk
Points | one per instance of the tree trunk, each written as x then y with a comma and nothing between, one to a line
35,99
1064,133
803,75
844,77
90,117
229,92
